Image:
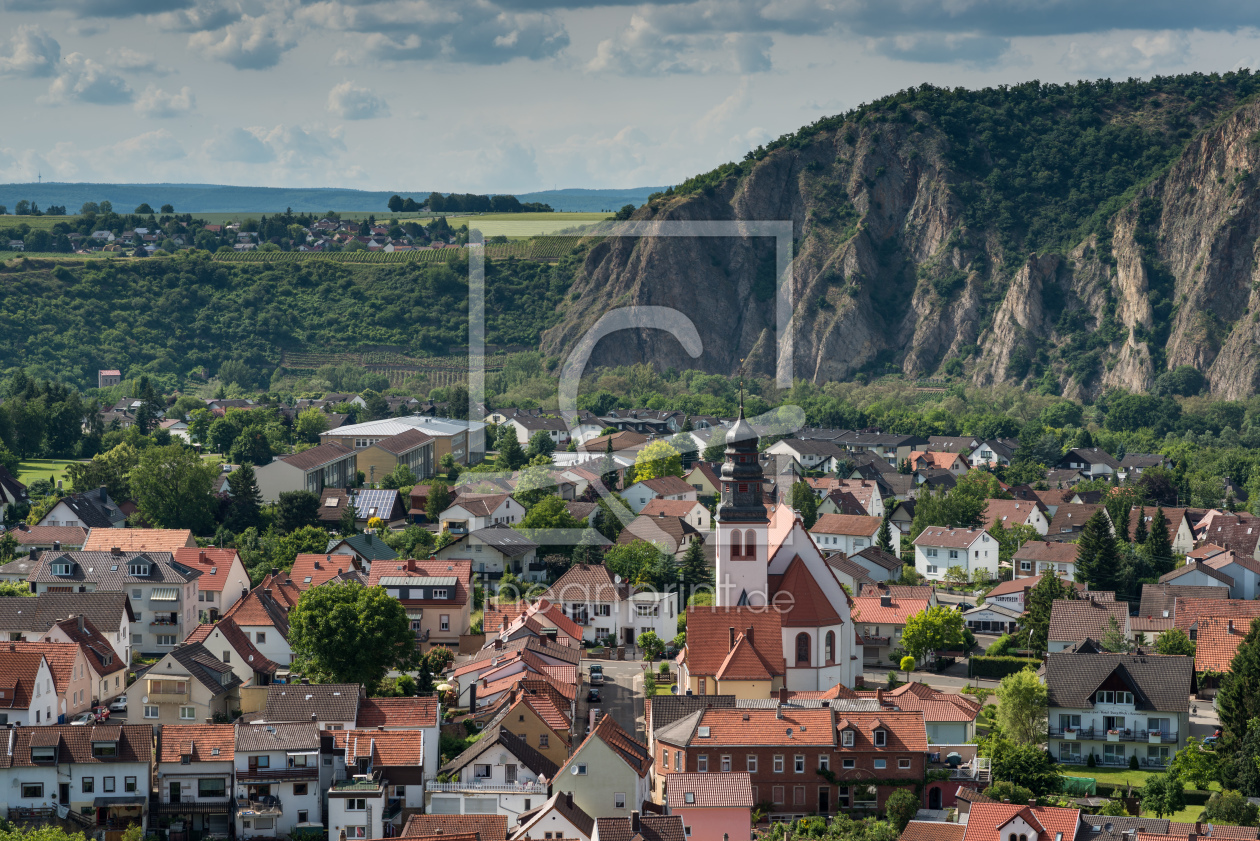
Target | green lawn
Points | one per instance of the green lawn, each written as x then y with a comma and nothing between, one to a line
44,468
1117,776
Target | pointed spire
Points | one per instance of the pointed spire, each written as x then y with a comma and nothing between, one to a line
741,389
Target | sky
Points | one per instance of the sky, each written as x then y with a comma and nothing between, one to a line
521,95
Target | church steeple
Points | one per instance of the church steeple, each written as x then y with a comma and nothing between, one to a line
742,476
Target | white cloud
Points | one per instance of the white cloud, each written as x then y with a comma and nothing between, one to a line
351,102
83,80
204,17
251,43
32,52
158,145
1145,51
285,147
132,61
155,102
238,146
942,48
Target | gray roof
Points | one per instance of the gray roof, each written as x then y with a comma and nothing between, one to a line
300,701
20,567
111,572
93,511
213,673
367,545
509,741
1156,598
261,737
679,732
1154,826
506,539
995,607
105,610
1160,683
666,709
878,556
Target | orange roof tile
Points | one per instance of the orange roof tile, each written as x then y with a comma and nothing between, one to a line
736,727
200,741
986,820
712,632
384,747
139,540
744,662
313,570
397,713
213,563
61,657
854,524
869,609
810,607
1216,643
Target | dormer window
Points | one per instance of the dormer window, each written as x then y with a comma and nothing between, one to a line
880,737
104,750
139,570
62,568
846,738
439,593
1109,697
43,754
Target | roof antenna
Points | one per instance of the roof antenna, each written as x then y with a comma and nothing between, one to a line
741,389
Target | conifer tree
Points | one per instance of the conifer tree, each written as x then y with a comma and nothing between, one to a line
1097,561
1035,631
885,538
1158,545
245,509
1239,696
511,456
1140,532
803,500
694,571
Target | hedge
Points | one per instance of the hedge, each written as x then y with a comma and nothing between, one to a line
1194,797
1000,667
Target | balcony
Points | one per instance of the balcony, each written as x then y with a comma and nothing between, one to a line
1153,737
168,698
1113,761
488,787
879,641
263,805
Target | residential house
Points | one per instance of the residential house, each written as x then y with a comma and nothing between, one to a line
992,618
1069,520
690,510
858,750
541,619
436,594
223,578
1162,600
645,827
733,651
991,821
376,774
368,504
891,448
1180,530
189,685
278,779
1093,462
106,669
812,454
539,655
541,715
468,827
713,807
953,463
605,608
366,548
93,510
226,638
109,613
1132,465
329,465
938,548
1116,706
640,493
672,535
195,778
316,570
18,570
1015,512
1013,593
851,575
950,718
526,426
423,714
28,691
1243,569
163,592
48,538
497,774
472,512
12,492
1198,574
1038,557
881,621
879,565
558,817
98,774
330,706
625,443
495,550
413,449
703,479
902,516
608,774
518,672
846,533
263,615
994,452
1072,621
464,441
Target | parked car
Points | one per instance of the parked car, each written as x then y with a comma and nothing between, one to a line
83,719
597,674
593,696
963,607
101,713
119,704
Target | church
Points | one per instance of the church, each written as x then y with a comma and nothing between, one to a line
781,618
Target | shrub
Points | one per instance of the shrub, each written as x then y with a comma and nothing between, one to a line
1000,667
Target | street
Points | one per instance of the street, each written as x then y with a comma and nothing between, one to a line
622,694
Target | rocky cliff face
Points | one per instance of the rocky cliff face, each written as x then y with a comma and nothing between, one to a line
887,275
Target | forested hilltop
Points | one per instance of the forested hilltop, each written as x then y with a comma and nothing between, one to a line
188,315
1078,237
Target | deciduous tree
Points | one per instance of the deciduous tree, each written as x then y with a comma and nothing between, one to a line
348,633
1174,641
1022,707
171,486
657,459
296,509
804,501
937,628
1164,794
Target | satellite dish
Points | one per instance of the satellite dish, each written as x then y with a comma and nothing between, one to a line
573,770
789,731
145,699
616,579
251,658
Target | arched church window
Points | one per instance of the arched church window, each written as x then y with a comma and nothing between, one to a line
736,546
750,543
829,647
802,648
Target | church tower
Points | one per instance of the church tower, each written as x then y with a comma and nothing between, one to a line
742,524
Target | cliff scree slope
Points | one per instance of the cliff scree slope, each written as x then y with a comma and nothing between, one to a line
1079,238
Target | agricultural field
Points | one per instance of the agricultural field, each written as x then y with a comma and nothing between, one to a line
546,249
434,370
519,225
35,222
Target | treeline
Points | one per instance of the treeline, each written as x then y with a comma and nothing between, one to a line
467,203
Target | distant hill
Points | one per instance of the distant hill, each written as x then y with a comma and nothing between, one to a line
223,198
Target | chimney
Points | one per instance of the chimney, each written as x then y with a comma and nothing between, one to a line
783,694
104,494
201,556
731,633
568,799
56,545
244,592
498,643
1231,626
209,721
1033,802
312,716
267,593
275,570
885,601
778,711
634,822
114,550
748,633
81,628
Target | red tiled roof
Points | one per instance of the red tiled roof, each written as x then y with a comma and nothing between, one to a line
384,747
397,713
852,524
1073,621
947,537
986,820
69,537
198,741
500,615
319,569
710,791
213,563
709,631
139,540
1189,611
1009,512
668,508
739,727
1216,643
933,831
489,827
98,650
238,639
586,583
810,607
18,672
745,662
60,657
868,609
